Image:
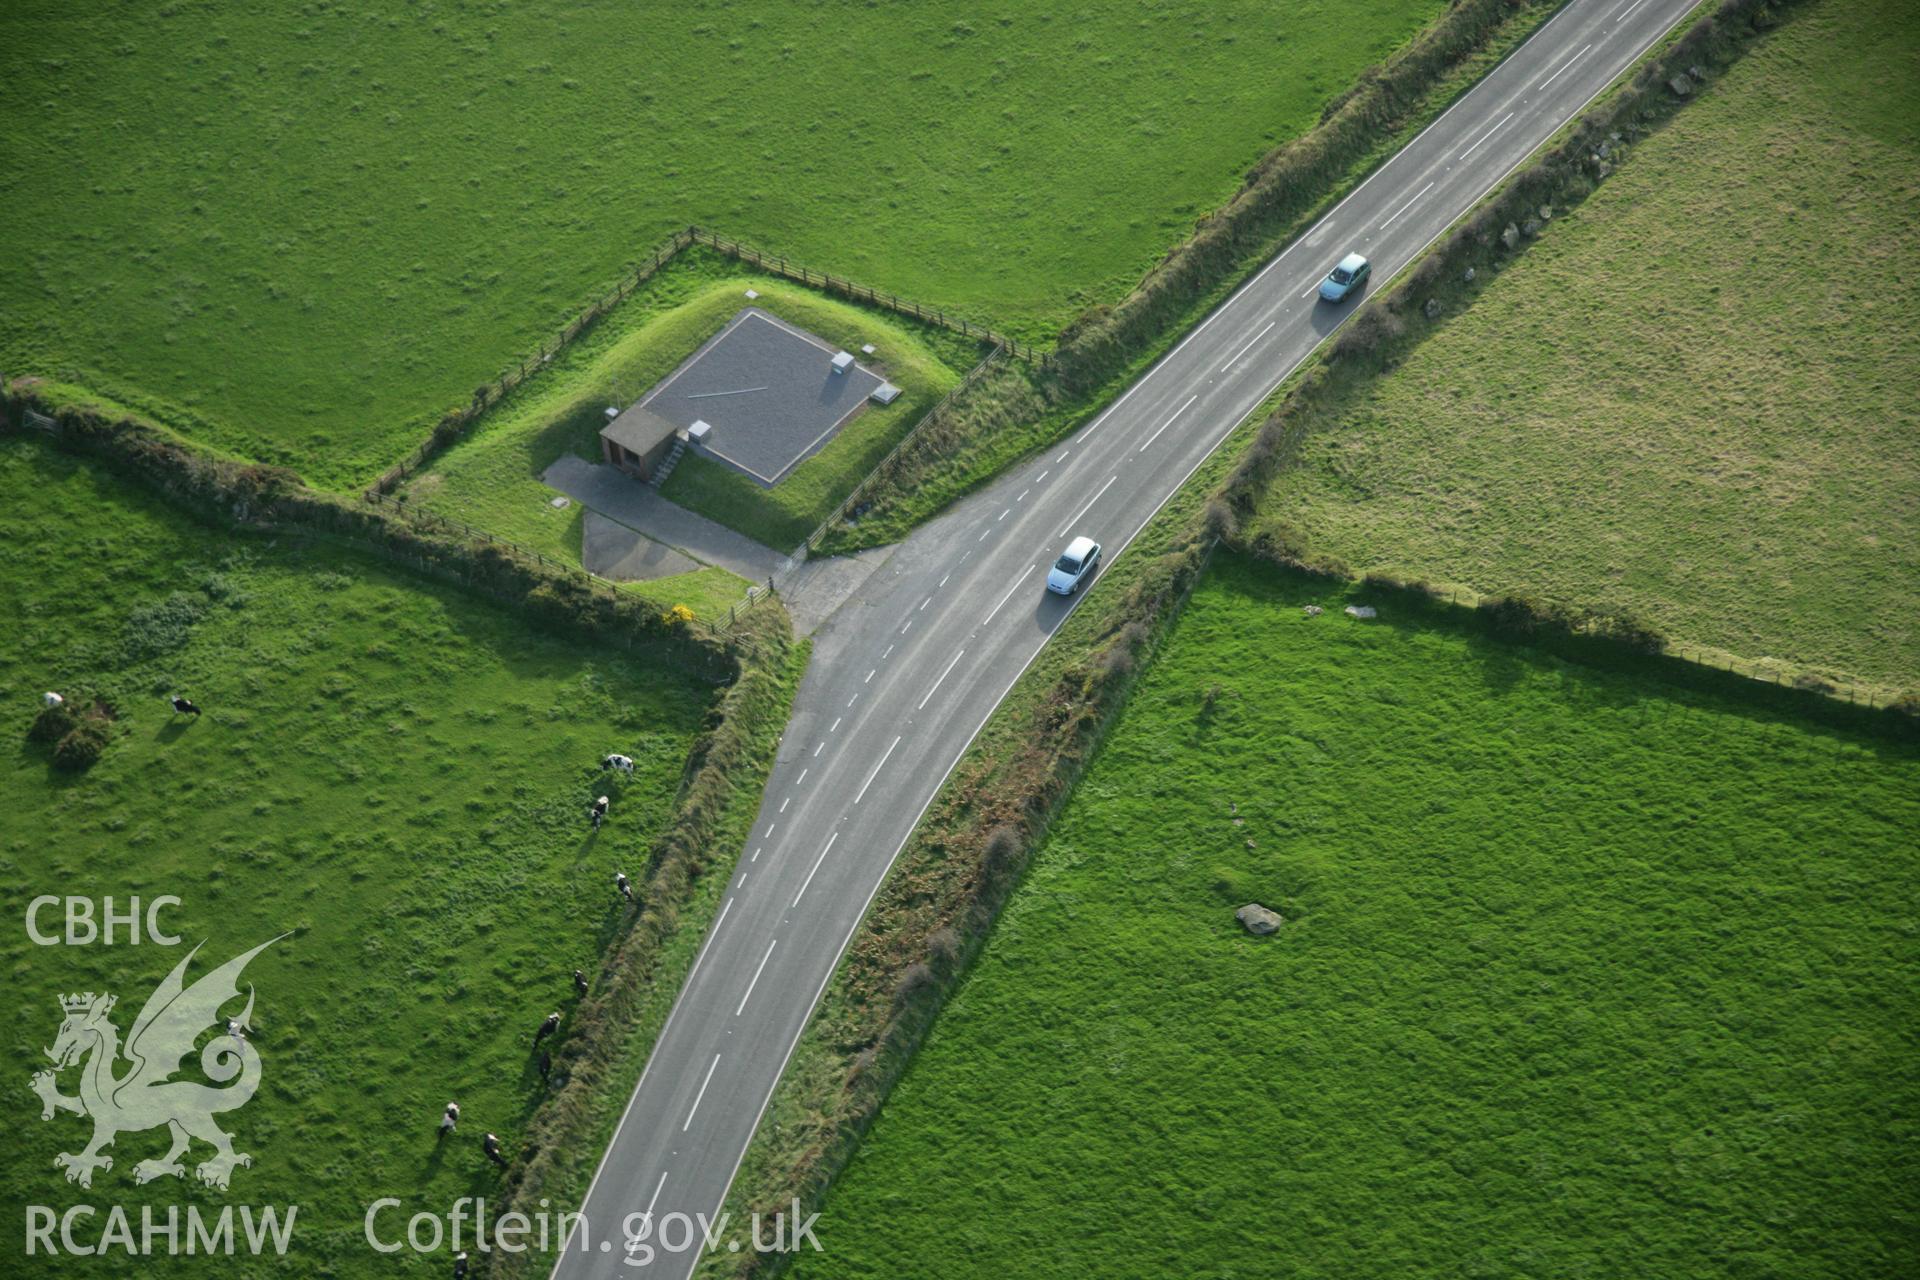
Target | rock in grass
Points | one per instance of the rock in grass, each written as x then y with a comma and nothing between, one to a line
1681,85
1258,919
1433,308
1511,236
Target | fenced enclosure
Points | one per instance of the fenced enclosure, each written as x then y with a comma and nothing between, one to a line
455,423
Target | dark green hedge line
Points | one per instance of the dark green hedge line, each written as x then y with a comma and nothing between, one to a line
274,499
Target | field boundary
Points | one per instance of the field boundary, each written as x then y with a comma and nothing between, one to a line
455,422
266,499
933,913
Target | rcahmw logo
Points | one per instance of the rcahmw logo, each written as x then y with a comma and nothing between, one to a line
131,1087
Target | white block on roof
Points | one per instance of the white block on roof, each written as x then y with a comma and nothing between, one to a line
842,361
700,431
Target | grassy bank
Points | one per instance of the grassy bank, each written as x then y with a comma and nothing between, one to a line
390,770
1694,397
491,477
405,202
1582,974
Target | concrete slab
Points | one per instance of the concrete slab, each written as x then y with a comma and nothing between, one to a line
813,589
612,550
622,498
769,392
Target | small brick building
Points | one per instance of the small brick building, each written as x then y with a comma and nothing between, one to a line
637,441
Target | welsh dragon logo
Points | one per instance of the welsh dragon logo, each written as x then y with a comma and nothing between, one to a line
146,1096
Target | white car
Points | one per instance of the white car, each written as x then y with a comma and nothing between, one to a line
1074,566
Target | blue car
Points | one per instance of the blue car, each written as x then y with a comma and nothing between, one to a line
1346,278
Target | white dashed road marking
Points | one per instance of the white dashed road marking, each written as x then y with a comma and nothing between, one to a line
756,977
1408,205
703,1093
937,683
1242,351
1010,590
816,866
876,773
1169,422
1082,511
1483,137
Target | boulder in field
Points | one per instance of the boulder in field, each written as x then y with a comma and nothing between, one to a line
1258,919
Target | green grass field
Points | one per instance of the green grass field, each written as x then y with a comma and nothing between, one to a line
304,236
491,478
1695,395
391,771
1583,974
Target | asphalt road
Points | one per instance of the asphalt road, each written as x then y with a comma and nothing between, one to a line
906,672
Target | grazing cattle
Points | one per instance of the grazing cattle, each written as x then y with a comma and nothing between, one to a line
547,1028
579,983
491,1145
183,707
51,700
449,1119
460,1265
623,884
597,812
616,761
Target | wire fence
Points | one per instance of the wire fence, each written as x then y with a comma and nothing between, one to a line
778,264
434,520
455,424
884,469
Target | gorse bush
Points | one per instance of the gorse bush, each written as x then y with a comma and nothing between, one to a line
82,746
51,725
